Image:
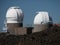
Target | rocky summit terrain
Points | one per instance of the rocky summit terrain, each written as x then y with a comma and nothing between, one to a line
49,36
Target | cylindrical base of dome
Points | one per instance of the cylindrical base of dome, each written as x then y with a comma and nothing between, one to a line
11,26
14,24
38,28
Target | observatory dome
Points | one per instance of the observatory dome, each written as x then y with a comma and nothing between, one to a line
14,15
42,18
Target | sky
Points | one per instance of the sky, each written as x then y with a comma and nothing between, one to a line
29,8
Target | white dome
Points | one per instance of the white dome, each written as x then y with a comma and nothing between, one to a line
14,15
41,18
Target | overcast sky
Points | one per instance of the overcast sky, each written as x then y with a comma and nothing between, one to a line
30,7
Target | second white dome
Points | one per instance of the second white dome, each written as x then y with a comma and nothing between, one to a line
41,18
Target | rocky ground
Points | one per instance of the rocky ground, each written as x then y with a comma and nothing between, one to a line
47,37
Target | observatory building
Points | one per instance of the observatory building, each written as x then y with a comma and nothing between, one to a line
14,20
14,17
42,21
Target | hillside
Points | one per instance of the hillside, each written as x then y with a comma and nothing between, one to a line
47,37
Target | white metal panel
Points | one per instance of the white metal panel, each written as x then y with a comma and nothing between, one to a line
14,15
41,18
